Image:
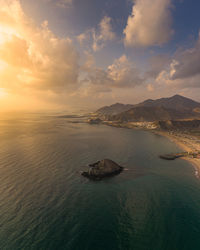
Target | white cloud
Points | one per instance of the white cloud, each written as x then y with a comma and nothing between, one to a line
164,79
98,38
187,63
123,73
106,29
149,24
104,34
183,71
120,74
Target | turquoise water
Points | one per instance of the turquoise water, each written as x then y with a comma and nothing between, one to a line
46,204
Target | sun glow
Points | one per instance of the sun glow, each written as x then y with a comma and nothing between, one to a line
2,66
6,33
3,93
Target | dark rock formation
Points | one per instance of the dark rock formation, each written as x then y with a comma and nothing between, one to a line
173,156
95,121
102,169
169,157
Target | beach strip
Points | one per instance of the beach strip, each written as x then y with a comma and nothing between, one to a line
187,145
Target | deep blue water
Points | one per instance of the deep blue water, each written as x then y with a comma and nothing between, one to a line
46,204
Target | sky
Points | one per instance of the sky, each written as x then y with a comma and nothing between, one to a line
84,54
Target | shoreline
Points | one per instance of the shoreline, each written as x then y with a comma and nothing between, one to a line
185,144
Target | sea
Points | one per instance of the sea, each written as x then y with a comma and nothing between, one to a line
46,204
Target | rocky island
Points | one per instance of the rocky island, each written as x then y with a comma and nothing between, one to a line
94,121
102,169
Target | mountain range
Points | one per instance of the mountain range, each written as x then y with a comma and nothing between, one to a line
172,108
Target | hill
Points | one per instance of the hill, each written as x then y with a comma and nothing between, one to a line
113,109
176,102
175,107
150,114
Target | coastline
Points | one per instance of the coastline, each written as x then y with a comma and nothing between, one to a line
187,142
187,145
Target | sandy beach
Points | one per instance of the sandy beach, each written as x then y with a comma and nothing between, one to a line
188,143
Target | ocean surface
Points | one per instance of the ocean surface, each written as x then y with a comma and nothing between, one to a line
46,204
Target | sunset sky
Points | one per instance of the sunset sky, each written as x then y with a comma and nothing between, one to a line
82,54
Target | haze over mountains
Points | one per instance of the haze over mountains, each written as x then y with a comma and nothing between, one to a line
172,108
114,109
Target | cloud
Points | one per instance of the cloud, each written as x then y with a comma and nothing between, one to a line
34,57
120,74
157,64
186,63
164,79
89,63
104,34
106,29
64,3
123,73
82,38
183,70
96,39
60,3
149,23
150,87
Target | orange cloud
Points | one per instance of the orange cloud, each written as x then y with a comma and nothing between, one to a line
34,57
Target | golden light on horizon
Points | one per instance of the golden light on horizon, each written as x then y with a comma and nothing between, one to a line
6,34
46,61
2,65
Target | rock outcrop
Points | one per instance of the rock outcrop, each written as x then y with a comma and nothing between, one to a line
94,121
102,169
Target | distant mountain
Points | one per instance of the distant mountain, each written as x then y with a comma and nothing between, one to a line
176,102
113,109
150,114
175,107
